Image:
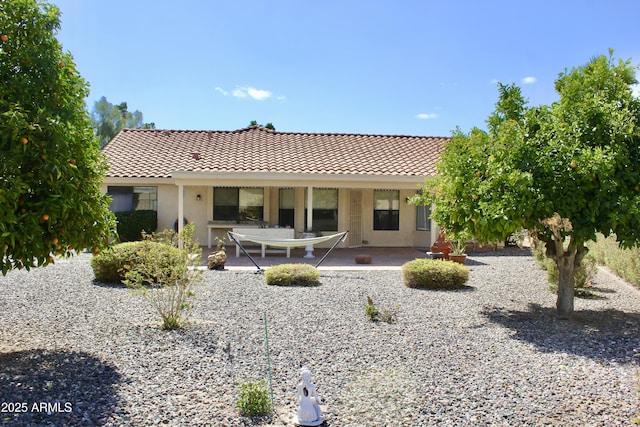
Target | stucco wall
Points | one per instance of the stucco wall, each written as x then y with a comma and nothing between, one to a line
201,211
407,235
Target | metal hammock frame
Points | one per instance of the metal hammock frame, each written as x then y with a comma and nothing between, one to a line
285,243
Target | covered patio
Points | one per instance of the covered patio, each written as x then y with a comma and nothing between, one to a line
339,259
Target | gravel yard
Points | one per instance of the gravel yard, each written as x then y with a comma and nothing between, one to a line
77,352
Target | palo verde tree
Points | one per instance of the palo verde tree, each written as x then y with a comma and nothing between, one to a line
51,167
565,172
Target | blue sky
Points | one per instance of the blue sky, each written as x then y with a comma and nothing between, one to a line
375,67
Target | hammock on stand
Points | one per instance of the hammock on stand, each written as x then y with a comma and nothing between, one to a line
284,243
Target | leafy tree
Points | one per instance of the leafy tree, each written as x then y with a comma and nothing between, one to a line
50,162
565,171
267,126
109,119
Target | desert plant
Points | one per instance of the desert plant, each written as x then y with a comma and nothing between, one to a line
459,247
380,315
173,282
292,274
253,398
371,310
434,274
132,224
389,315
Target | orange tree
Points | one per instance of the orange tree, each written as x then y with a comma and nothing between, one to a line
51,166
564,172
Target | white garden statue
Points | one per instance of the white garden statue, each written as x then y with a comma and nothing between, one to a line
309,412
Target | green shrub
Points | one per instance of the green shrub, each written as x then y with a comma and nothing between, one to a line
625,263
434,274
131,224
171,271
156,267
113,264
253,399
293,274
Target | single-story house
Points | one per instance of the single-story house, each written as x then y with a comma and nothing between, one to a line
257,177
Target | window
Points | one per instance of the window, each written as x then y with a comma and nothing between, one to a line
126,199
238,204
286,207
325,209
386,210
423,218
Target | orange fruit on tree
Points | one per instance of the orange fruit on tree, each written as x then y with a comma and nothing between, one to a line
24,140
45,217
4,38
55,241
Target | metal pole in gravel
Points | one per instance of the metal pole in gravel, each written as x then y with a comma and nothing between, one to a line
266,340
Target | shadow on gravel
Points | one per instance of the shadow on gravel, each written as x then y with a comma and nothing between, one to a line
508,251
610,335
473,262
98,283
43,387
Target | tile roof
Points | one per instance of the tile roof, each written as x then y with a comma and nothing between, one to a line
152,153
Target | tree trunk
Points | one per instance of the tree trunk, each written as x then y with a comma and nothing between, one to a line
566,285
567,260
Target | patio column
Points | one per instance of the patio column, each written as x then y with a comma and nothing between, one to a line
180,211
309,208
435,232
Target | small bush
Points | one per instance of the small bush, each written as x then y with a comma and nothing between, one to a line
131,224
173,278
112,265
293,274
434,274
156,267
253,399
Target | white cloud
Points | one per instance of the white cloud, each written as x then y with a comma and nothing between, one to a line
258,94
635,89
529,80
427,116
249,92
239,93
